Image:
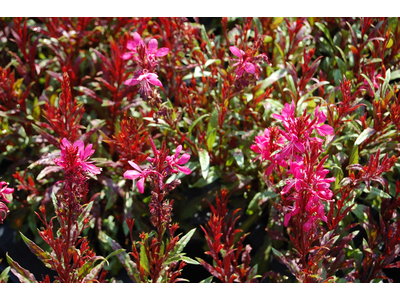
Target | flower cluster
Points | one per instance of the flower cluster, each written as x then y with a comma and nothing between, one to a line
279,146
296,145
247,65
5,195
74,160
161,167
146,59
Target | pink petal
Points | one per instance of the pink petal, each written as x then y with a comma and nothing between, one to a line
65,143
185,170
127,55
135,166
131,45
324,130
177,151
131,174
184,159
88,151
81,148
162,52
8,190
278,117
153,45
93,169
307,226
250,68
132,81
287,219
300,146
235,51
140,185
136,38
152,78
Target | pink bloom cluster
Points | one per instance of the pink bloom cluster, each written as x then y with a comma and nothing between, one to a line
291,143
310,185
76,157
4,191
172,165
74,160
298,146
247,66
146,59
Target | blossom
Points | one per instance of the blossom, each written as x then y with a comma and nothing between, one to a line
145,79
310,187
150,52
138,173
174,161
132,45
4,189
76,156
242,62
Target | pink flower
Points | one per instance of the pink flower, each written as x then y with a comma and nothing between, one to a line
145,80
150,51
131,45
138,173
76,156
174,162
243,64
324,129
4,189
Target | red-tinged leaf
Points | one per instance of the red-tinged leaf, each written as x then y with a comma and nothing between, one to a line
313,68
47,170
292,266
209,268
89,93
22,274
55,75
109,86
394,265
44,256
130,266
47,135
353,49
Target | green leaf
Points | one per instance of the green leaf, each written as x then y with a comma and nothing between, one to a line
96,270
395,75
238,155
195,122
354,156
364,135
22,274
253,205
205,38
325,30
204,162
85,212
378,192
211,137
359,211
144,262
211,61
189,260
213,122
183,241
44,256
4,275
273,77
207,280
124,258
258,24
